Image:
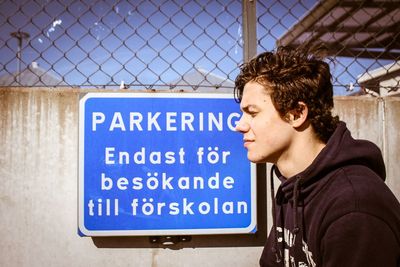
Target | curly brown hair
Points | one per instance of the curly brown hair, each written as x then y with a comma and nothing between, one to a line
292,76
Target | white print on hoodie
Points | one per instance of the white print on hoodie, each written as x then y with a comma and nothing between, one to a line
289,239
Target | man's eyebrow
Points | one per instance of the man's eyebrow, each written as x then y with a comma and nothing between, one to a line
247,107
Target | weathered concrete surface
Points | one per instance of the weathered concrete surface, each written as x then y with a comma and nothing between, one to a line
377,120
38,193
391,140
362,116
38,176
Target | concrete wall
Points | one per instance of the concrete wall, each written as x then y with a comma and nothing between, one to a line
38,191
377,120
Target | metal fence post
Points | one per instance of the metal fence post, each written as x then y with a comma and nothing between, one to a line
249,29
249,51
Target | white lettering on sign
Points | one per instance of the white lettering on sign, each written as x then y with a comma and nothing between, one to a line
143,157
149,207
163,181
169,121
97,118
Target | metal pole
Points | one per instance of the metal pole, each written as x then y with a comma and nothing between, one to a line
249,29
20,36
249,52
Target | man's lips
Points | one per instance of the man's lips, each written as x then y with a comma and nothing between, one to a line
247,142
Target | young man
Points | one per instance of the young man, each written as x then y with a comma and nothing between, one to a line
332,208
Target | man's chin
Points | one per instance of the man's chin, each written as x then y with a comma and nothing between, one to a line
256,159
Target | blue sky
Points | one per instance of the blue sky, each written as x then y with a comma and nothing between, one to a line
104,43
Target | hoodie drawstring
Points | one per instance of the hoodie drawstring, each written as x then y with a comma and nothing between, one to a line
296,190
275,249
295,204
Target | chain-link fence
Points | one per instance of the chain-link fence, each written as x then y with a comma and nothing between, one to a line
164,44
362,37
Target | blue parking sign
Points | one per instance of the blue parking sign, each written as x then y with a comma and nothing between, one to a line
163,164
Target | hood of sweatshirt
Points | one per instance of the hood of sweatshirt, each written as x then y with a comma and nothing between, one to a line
341,150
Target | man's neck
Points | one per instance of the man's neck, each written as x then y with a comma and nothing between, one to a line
301,153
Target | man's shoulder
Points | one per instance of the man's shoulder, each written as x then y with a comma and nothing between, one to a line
355,188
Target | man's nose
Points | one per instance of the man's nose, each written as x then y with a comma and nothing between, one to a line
242,125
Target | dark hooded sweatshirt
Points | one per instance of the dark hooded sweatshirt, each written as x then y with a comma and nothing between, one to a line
336,213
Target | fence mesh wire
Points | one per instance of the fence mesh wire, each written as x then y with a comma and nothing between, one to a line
190,44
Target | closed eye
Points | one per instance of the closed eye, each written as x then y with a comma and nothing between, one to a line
252,113
251,110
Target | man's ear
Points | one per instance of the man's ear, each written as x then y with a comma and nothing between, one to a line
298,116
